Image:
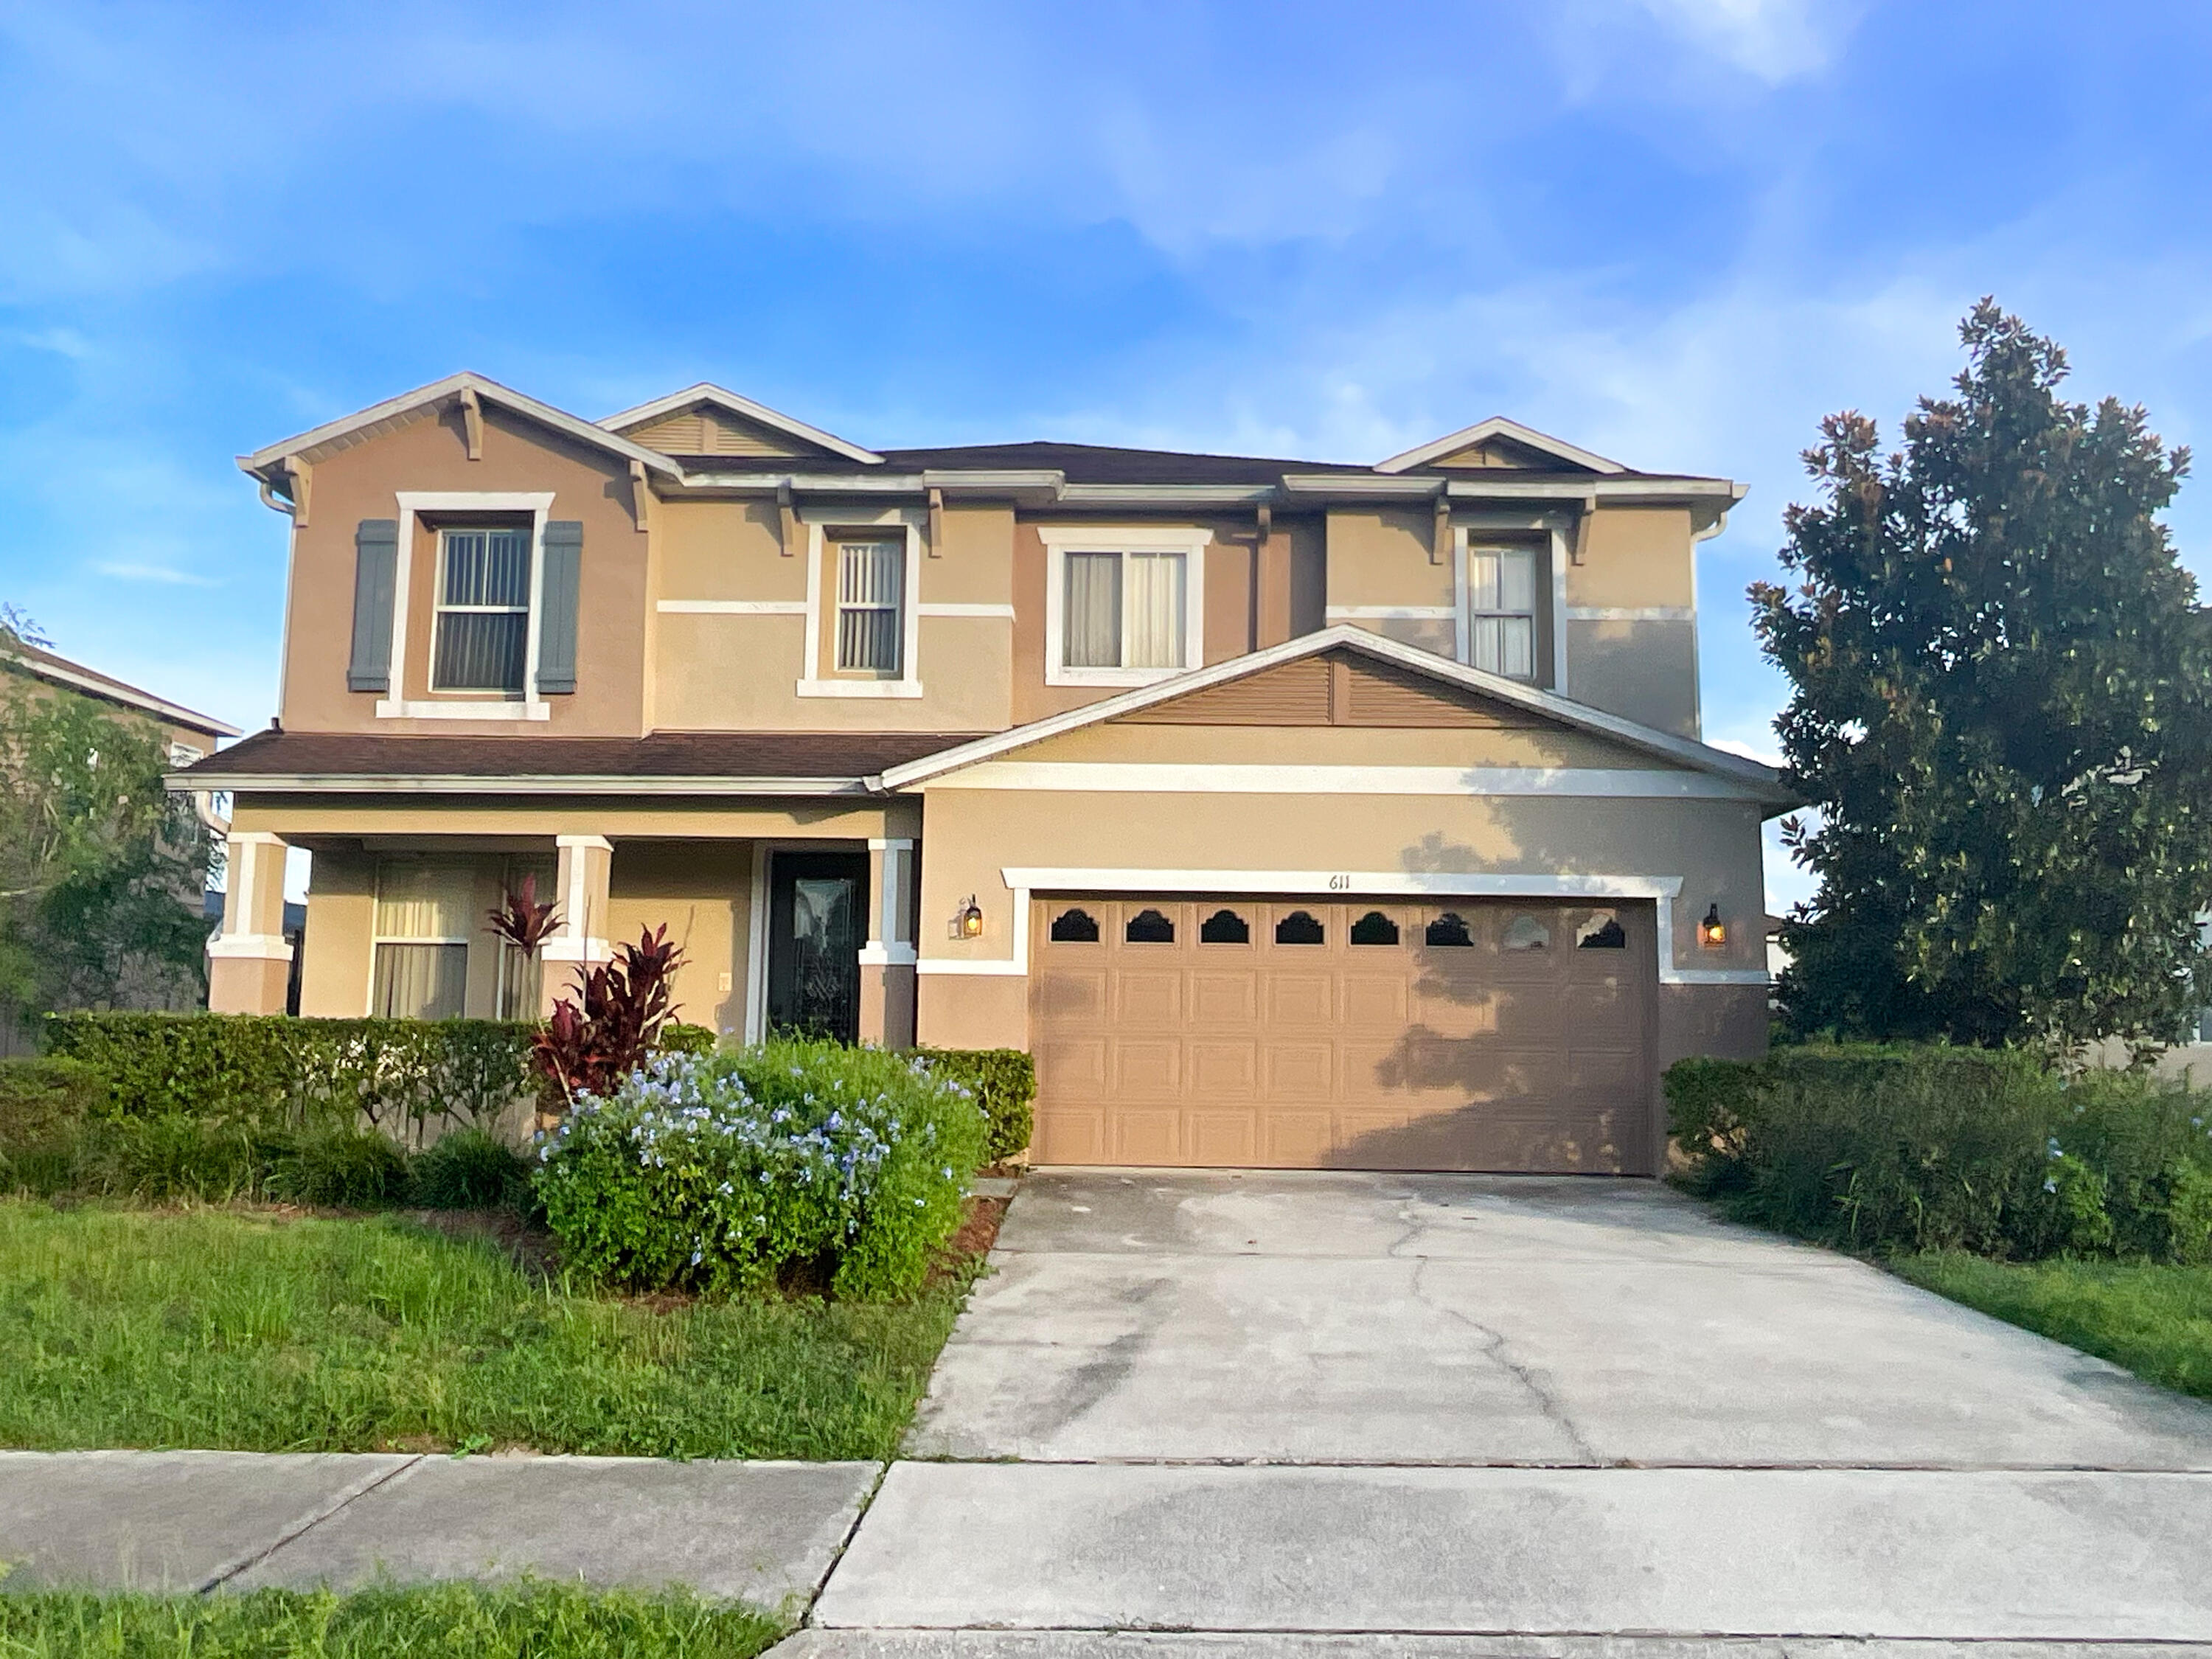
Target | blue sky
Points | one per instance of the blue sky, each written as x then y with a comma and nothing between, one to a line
1673,231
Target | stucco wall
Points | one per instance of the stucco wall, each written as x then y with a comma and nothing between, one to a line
431,454
701,892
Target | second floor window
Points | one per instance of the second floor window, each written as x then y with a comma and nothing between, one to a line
1501,607
1125,610
483,610
870,582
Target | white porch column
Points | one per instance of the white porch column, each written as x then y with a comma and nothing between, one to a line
580,890
249,963
887,960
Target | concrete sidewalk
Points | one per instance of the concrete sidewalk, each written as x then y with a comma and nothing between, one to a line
766,1533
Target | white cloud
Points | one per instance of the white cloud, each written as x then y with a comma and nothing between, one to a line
162,575
1776,40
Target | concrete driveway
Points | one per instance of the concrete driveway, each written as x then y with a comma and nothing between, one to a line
1364,1409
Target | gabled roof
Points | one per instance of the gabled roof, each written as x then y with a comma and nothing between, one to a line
720,397
1497,426
490,392
1764,781
60,671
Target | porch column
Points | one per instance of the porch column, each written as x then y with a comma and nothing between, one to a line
580,890
887,960
249,963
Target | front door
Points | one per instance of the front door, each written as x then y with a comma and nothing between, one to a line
817,906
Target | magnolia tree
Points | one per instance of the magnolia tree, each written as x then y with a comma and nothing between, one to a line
2000,711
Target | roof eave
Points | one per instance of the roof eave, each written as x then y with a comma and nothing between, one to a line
1499,426
462,783
573,426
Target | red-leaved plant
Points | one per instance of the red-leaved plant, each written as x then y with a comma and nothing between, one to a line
520,919
625,1003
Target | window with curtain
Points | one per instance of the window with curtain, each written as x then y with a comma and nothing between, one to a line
1501,606
1124,610
483,610
871,592
425,912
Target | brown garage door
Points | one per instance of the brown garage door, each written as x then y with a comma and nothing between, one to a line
1344,1034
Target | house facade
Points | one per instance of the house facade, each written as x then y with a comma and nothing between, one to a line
1290,813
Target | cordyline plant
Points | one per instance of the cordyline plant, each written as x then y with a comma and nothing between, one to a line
597,1039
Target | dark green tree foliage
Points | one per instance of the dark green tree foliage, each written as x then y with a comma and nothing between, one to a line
2000,715
101,868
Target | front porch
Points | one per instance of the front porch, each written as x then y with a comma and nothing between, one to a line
807,923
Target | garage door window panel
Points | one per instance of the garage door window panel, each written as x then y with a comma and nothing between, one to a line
1447,932
1602,931
1149,927
1374,928
1074,926
1224,927
1301,928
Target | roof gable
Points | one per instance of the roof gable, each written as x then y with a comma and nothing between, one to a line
1498,441
711,419
1417,670
409,406
1340,687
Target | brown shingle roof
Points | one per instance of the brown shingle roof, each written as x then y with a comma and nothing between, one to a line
706,755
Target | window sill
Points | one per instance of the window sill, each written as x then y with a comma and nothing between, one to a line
1118,676
388,708
859,688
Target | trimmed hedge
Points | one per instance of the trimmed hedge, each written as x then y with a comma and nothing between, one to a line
273,1072
1937,1148
1004,1083
794,1160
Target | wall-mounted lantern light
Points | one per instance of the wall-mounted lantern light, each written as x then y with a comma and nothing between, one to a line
968,922
1713,932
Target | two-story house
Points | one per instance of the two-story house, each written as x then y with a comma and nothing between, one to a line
1290,813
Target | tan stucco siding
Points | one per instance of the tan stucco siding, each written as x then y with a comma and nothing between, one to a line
1645,669
701,892
725,549
1382,557
1712,846
1331,745
431,454
1634,557
334,976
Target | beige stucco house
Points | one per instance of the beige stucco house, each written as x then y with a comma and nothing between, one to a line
1290,813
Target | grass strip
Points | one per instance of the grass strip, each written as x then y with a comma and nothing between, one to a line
533,1619
2153,1319
230,1330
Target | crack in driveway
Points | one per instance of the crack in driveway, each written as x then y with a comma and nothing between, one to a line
1495,1345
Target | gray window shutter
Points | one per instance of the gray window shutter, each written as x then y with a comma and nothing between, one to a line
556,628
375,577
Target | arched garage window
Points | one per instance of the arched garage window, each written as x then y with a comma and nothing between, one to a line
1449,928
1075,927
1224,927
1602,932
1299,928
1375,928
1148,928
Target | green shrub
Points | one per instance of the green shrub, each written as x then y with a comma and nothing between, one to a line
341,1168
467,1170
722,1172
1004,1083
678,1038
42,1106
273,1072
173,1159
1935,1148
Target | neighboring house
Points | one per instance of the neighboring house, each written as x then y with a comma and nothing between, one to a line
191,734
1290,813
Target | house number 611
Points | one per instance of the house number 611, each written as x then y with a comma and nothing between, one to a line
1338,883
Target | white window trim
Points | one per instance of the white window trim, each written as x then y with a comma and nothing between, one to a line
818,521
1662,890
1060,540
467,706
1468,540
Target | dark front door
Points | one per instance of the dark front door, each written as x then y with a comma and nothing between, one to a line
818,903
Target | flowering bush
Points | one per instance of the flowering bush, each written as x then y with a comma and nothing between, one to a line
720,1172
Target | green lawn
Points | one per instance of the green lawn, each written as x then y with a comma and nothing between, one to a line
2156,1321
524,1621
222,1328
